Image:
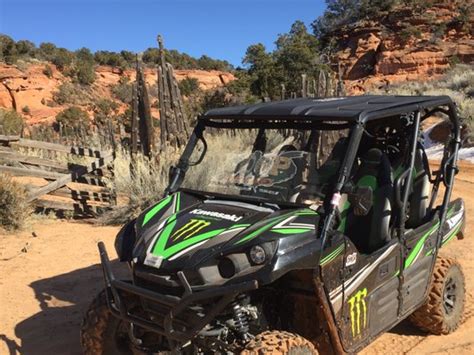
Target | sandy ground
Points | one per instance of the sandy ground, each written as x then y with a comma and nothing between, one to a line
47,281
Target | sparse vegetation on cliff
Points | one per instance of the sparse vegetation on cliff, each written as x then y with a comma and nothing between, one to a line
72,117
11,52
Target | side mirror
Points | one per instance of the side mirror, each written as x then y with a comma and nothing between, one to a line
176,177
172,171
361,200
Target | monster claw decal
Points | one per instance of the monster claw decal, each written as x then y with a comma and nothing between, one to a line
189,229
358,312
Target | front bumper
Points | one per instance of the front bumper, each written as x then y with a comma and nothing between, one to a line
177,318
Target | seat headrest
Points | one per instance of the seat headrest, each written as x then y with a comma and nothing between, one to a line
372,156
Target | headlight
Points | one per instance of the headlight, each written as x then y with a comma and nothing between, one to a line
257,255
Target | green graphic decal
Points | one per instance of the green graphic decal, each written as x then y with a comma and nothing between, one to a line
331,256
358,311
187,234
419,246
272,222
158,207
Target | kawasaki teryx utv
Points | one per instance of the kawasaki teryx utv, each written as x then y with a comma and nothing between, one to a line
300,226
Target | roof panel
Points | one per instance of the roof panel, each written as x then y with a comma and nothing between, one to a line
350,108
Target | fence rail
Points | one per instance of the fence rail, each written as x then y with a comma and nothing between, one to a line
72,186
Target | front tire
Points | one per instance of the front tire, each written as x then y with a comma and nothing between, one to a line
279,342
99,330
442,312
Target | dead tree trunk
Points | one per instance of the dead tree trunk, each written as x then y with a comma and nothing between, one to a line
134,125
145,123
173,124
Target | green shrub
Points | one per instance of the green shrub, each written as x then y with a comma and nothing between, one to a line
47,51
122,60
84,55
70,93
85,72
14,208
410,32
123,90
8,50
48,71
11,123
104,110
62,58
72,117
188,86
26,110
25,48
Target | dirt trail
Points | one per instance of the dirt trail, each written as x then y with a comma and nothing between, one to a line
45,290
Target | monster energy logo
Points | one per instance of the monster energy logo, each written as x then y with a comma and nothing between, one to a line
358,310
189,229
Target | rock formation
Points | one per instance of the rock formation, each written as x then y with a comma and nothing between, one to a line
31,87
404,45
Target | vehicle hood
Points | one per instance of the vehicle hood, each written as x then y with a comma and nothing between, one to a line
182,230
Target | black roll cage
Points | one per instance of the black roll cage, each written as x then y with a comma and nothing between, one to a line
357,124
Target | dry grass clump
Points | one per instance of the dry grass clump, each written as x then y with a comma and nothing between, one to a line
139,181
458,83
14,209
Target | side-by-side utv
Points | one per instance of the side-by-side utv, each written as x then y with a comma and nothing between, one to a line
300,226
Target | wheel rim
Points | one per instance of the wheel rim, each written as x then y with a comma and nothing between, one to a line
122,339
125,344
449,296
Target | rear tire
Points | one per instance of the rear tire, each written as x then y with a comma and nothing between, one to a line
278,342
442,312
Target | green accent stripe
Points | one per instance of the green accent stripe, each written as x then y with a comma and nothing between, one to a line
330,257
164,236
158,207
236,226
291,230
453,233
344,214
418,247
187,243
307,213
261,229
273,221
396,273
178,202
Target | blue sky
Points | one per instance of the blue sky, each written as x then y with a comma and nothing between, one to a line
219,28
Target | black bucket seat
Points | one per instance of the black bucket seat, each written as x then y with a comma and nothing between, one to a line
372,231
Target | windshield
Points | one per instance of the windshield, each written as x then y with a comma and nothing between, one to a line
275,165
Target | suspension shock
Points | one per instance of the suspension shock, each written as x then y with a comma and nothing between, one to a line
241,321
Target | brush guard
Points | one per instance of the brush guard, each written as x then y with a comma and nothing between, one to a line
170,316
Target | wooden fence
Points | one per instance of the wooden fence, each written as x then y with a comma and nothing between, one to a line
75,176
